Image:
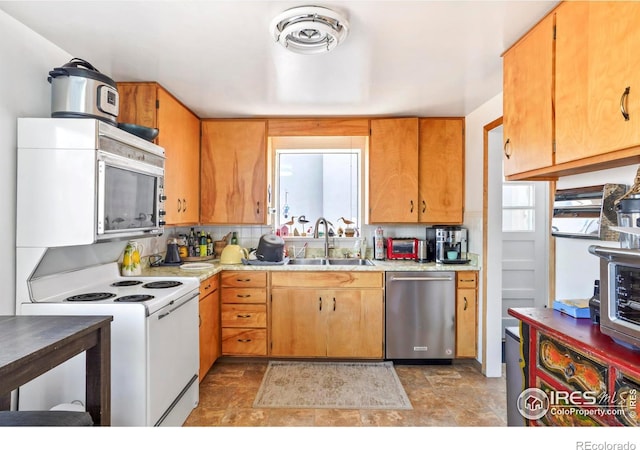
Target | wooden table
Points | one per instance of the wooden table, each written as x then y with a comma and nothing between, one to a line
32,345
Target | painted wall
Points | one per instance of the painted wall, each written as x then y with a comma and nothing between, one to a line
474,147
24,92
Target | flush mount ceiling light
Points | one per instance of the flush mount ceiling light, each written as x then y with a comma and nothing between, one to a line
309,29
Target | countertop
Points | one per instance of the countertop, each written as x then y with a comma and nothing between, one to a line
378,266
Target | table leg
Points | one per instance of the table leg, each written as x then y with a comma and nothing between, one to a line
98,388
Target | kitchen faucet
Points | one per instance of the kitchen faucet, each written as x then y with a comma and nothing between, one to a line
326,234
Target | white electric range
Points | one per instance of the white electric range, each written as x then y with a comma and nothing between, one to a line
154,343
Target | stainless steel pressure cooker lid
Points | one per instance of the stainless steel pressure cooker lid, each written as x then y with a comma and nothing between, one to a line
80,68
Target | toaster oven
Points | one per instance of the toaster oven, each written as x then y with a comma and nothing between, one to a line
619,294
402,248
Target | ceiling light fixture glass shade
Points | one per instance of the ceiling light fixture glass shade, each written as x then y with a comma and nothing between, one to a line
309,29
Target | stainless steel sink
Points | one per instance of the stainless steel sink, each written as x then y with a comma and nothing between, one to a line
350,262
308,262
330,262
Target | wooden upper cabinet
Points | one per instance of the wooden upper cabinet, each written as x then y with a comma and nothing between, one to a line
441,165
150,105
528,100
318,127
393,170
597,59
233,171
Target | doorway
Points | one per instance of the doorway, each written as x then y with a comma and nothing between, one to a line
515,260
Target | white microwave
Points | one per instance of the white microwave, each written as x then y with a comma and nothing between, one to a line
82,181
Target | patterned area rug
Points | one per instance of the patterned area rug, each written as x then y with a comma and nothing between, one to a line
337,385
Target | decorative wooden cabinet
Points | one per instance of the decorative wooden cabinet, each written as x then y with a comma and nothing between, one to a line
528,100
233,172
150,105
244,313
210,348
327,314
416,170
596,62
586,378
466,314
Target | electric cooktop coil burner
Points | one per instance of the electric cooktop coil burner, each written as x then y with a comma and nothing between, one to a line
162,284
134,298
126,283
90,297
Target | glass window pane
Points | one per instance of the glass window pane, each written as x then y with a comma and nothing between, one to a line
518,220
517,195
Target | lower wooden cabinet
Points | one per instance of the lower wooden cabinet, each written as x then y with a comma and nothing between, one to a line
327,314
209,323
466,314
244,313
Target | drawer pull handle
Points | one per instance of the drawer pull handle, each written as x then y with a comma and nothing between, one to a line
244,340
243,295
243,280
467,281
243,316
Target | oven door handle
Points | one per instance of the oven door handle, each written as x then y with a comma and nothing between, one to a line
163,315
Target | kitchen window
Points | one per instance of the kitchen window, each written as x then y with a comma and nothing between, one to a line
318,177
518,206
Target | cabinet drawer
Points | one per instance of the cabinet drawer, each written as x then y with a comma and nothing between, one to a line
209,285
244,295
244,278
467,280
244,341
244,316
327,279
569,366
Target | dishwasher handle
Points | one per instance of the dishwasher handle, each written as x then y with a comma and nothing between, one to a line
421,278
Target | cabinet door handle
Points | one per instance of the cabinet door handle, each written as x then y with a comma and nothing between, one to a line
257,207
199,320
179,205
334,303
424,206
465,303
411,206
320,304
248,316
507,148
184,202
623,106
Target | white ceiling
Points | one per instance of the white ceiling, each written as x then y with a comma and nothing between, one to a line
426,58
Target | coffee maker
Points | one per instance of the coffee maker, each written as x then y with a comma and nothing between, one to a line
450,243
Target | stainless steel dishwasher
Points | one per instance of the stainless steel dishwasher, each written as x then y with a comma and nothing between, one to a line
420,315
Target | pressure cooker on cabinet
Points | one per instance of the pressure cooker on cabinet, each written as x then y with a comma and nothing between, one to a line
79,90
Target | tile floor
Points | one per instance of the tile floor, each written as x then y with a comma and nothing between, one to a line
441,395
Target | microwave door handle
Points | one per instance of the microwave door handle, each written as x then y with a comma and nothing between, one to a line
101,197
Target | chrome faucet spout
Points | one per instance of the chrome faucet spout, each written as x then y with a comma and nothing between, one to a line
316,234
